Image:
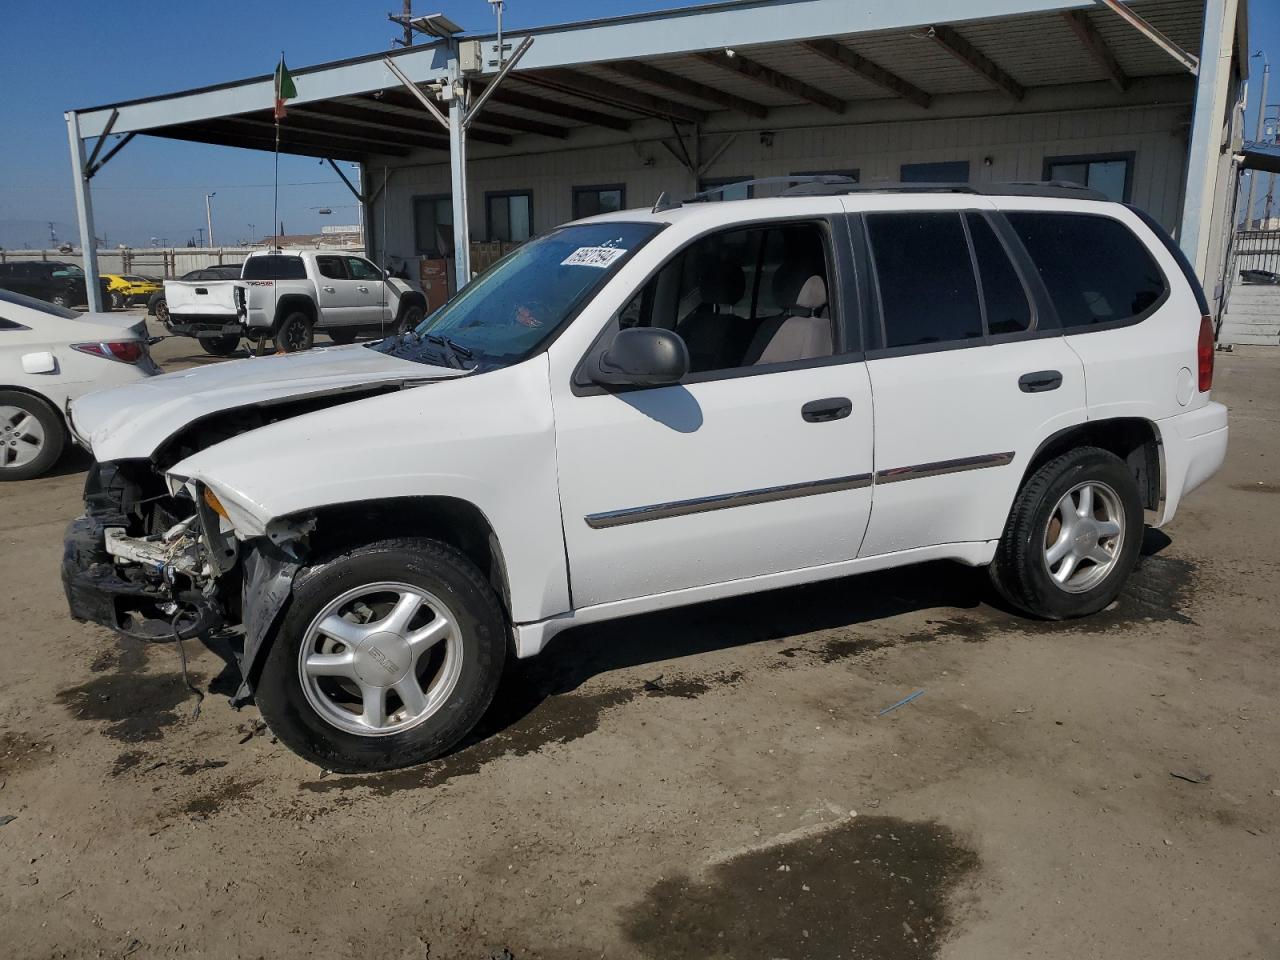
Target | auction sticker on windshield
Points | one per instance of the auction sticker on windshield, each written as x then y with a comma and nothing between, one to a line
592,257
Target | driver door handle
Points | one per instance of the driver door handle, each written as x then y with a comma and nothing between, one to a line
328,289
363,289
823,411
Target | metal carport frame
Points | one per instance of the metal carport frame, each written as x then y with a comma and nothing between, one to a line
552,74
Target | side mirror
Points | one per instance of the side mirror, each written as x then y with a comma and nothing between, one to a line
643,357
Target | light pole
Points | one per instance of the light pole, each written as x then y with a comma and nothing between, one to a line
1262,112
208,214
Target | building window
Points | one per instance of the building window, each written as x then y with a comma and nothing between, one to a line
1110,174
737,188
948,171
433,226
588,201
853,174
509,215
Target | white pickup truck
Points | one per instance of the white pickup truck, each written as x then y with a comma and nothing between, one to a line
288,295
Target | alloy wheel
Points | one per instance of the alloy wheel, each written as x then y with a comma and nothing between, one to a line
21,437
380,659
1084,536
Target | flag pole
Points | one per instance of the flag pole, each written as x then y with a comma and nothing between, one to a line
275,180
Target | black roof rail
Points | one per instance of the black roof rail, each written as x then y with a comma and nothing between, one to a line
831,182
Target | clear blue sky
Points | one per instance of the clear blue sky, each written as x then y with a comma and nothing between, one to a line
92,52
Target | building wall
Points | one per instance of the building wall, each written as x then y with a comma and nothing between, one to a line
1014,145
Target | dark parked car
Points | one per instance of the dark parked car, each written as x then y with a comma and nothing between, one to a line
158,308
50,280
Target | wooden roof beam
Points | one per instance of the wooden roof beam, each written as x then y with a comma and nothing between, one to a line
1096,47
976,60
758,72
636,70
842,56
587,87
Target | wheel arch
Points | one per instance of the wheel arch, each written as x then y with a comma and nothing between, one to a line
408,299
1135,440
342,526
57,412
288,304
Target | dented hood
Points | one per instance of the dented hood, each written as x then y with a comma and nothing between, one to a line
133,421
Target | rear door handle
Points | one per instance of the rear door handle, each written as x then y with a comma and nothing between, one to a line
328,289
1040,381
822,411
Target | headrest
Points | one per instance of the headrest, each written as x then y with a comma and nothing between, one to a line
721,282
789,278
813,295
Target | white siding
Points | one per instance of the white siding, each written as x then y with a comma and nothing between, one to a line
1016,146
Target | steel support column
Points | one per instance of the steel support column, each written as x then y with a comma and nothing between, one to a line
84,212
458,187
1205,151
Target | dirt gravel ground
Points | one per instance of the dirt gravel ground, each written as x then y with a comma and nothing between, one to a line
713,782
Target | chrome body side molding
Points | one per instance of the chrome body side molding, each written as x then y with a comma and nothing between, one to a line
938,468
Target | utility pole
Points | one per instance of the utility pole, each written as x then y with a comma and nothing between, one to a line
1262,112
208,214
405,19
53,237
200,233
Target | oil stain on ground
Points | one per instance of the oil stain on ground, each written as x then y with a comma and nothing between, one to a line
872,887
516,727
135,706
19,751
226,794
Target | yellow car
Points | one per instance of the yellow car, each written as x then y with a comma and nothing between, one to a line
126,289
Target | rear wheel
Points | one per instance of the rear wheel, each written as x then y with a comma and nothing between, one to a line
387,657
296,333
342,335
1072,538
161,311
220,346
31,436
118,300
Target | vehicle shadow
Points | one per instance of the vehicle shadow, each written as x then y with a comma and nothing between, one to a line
73,460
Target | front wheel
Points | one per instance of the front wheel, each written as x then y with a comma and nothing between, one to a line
387,657
1072,538
343,335
409,318
118,301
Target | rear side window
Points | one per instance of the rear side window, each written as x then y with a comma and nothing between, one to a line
1095,270
1005,299
331,267
274,267
928,293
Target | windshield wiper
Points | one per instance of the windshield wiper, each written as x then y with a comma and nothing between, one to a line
452,350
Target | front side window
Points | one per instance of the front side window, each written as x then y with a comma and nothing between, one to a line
588,201
1095,270
743,298
274,267
1111,175
510,215
928,294
516,305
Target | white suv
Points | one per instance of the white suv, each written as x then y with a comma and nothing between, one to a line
648,409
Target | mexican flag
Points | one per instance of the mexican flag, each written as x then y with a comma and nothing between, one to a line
284,88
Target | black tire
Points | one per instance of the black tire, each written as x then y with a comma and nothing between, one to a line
118,300
411,315
60,300
430,565
221,346
55,437
297,332
1021,570
160,309
343,335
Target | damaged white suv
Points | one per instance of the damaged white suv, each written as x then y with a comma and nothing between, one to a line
648,409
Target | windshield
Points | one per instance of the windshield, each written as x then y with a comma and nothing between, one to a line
31,303
522,300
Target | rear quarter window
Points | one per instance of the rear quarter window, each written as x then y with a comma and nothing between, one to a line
1096,271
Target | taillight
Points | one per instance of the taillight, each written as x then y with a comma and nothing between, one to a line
1204,354
126,351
